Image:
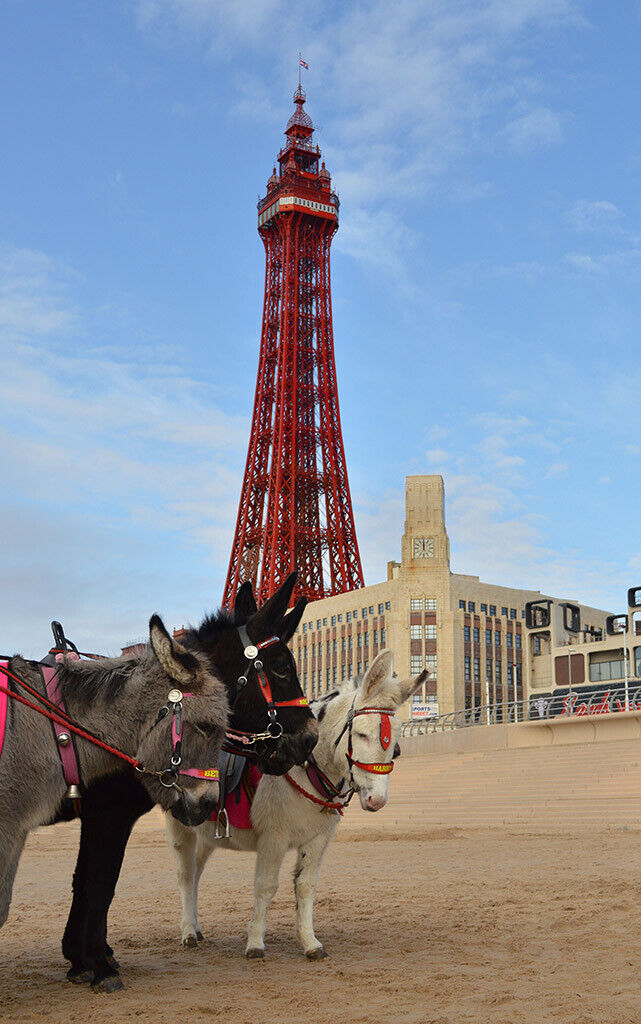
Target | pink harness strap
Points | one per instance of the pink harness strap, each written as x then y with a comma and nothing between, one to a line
4,700
66,749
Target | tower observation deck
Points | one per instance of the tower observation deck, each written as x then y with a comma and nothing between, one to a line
295,508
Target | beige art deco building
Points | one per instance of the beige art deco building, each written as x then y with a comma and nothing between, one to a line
471,635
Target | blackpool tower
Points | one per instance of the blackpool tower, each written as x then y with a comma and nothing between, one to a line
295,509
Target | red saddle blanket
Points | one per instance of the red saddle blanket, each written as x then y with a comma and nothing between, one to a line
238,804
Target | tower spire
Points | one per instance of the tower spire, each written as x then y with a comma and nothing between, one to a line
295,508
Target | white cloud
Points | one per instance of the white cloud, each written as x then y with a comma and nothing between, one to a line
595,216
109,460
532,130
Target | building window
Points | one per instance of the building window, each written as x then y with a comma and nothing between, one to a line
416,664
340,618
461,604
510,675
343,674
350,641
387,606
371,609
471,606
304,627
466,633
383,636
517,640
477,670
476,634
335,646
497,672
508,639
430,632
333,620
488,669
416,604
325,622
328,647
366,639
364,613
348,617
375,636
467,667
512,613
493,609
416,632
318,623
504,612
328,676
497,639
360,640
484,608
430,604
488,636
430,664
359,668
334,675
355,613
537,645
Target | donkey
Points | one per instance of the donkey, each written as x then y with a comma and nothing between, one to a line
357,740
112,806
120,699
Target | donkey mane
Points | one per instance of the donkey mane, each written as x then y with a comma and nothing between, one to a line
92,681
208,632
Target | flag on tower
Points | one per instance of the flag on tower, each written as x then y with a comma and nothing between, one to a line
303,63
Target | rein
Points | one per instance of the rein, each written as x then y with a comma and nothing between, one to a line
61,718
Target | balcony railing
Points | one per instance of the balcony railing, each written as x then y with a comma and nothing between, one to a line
568,703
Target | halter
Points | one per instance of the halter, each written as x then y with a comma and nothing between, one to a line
375,767
168,776
274,728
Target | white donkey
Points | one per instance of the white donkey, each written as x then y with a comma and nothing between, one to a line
357,739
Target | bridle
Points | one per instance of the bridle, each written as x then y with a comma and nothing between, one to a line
375,767
335,798
168,777
240,740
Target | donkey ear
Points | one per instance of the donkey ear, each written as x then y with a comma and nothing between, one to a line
179,664
377,673
274,609
245,604
407,687
291,620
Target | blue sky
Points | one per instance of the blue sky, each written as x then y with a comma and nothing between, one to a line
486,286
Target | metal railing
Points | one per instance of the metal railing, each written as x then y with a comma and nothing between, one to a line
566,703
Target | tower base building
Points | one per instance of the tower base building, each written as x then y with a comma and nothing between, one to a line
471,635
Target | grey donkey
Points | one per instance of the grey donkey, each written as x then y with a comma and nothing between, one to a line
119,699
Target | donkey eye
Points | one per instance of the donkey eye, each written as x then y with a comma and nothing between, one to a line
361,735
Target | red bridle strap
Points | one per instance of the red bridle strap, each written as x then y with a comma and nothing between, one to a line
377,767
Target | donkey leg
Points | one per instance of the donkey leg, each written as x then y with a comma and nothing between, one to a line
110,808
184,842
305,878
204,851
11,847
269,857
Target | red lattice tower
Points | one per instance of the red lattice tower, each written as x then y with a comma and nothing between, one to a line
295,508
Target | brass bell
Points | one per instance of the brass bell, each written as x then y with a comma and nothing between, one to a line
73,793
64,739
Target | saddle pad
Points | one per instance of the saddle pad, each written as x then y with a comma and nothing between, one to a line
4,697
238,804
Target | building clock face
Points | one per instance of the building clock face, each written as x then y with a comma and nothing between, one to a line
423,547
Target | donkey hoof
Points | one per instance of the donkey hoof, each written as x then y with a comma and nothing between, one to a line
200,936
79,976
316,954
190,942
111,984
254,953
